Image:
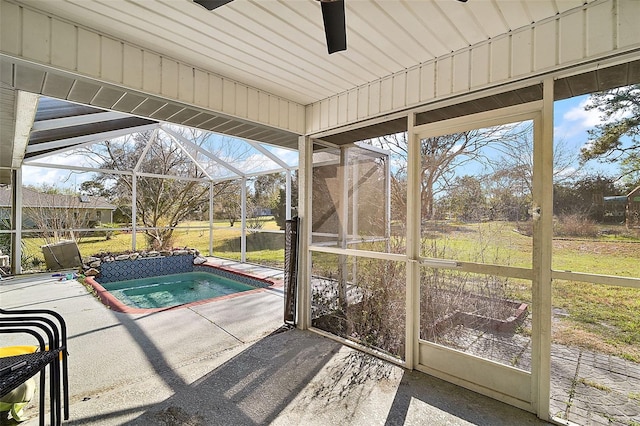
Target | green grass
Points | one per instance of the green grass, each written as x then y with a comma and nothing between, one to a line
266,248
488,242
598,317
601,318
595,385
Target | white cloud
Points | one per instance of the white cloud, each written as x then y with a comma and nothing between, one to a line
38,176
577,120
579,113
288,156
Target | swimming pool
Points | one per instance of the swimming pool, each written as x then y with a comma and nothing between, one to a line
205,283
172,290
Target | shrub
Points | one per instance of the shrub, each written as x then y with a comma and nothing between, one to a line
575,225
371,308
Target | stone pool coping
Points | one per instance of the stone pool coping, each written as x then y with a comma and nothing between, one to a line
111,302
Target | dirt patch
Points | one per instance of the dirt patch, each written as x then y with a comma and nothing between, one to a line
570,334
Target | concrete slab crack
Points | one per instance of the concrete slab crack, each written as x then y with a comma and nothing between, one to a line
217,325
572,391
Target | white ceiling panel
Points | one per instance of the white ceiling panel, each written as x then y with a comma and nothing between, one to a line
541,10
438,24
279,45
460,16
489,19
515,13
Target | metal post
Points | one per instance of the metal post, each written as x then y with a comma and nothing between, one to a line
288,195
134,210
305,174
355,201
542,253
413,247
243,214
16,222
210,218
343,230
387,200
355,198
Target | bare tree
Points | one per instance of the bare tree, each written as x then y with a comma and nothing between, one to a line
440,156
516,158
161,202
230,203
58,214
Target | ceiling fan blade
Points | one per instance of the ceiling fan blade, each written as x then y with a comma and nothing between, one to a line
334,24
212,4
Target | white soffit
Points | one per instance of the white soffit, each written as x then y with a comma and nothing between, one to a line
26,106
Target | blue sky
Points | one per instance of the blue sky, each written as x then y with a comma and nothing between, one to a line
572,121
571,124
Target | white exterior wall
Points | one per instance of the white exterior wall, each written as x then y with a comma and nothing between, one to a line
37,37
594,31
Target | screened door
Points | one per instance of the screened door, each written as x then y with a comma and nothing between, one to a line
477,210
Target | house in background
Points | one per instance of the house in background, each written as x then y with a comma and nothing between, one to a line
57,211
622,208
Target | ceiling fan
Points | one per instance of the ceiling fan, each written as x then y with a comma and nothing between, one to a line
332,14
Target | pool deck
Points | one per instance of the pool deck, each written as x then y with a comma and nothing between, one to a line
271,274
230,362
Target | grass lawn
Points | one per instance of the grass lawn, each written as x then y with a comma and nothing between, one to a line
264,248
598,317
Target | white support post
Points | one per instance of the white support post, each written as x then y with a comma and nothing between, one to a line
355,200
288,195
145,150
243,221
413,247
542,254
211,218
305,177
387,200
16,225
134,210
343,220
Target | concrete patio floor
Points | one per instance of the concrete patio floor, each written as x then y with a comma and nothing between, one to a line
229,362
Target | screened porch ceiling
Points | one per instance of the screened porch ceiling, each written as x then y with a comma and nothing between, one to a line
279,46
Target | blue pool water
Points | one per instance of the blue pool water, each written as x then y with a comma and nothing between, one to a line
172,290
